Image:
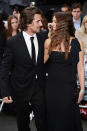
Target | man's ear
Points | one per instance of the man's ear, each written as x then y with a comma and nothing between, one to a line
28,25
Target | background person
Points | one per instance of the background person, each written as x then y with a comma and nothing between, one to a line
82,33
65,8
13,26
76,13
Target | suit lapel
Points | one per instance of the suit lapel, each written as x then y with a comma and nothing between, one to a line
39,48
23,44
25,49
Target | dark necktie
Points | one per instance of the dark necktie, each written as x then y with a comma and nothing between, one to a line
33,50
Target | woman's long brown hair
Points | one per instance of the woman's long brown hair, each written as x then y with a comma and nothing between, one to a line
61,34
9,30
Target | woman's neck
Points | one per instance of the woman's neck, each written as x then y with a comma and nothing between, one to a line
14,33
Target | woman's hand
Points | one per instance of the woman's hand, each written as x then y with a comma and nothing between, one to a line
81,94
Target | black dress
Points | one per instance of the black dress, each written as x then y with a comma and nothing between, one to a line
62,111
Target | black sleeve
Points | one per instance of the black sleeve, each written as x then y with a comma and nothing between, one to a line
2,43
5,68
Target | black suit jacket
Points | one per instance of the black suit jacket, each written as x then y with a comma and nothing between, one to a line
17,62
2,43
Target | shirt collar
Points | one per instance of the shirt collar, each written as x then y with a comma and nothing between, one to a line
76,21
27,35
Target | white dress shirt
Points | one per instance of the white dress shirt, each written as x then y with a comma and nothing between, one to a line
77,24
28,43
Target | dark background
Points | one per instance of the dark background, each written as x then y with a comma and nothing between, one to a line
6,6
52,2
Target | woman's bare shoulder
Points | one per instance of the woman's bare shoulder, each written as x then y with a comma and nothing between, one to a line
47,43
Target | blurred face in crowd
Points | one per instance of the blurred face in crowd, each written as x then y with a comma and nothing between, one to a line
15,13
64,9
54,23
36,24
76,13
14,24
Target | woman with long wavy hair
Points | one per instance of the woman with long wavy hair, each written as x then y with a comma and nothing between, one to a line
13,26
65,54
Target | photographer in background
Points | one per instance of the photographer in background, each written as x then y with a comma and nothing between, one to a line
16,12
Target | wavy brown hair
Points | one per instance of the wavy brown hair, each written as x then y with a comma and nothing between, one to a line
61,35
9,30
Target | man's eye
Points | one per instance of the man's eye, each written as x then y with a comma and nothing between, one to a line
37,21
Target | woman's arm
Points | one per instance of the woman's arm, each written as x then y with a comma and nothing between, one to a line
46,50
81,74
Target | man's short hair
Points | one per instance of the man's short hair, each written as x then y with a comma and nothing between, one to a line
66,6
76,5
27,16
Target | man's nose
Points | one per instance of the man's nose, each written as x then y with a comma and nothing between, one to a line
41,23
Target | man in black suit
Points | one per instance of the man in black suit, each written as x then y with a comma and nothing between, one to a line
23,57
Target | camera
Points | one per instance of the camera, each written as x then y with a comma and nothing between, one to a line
49,25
